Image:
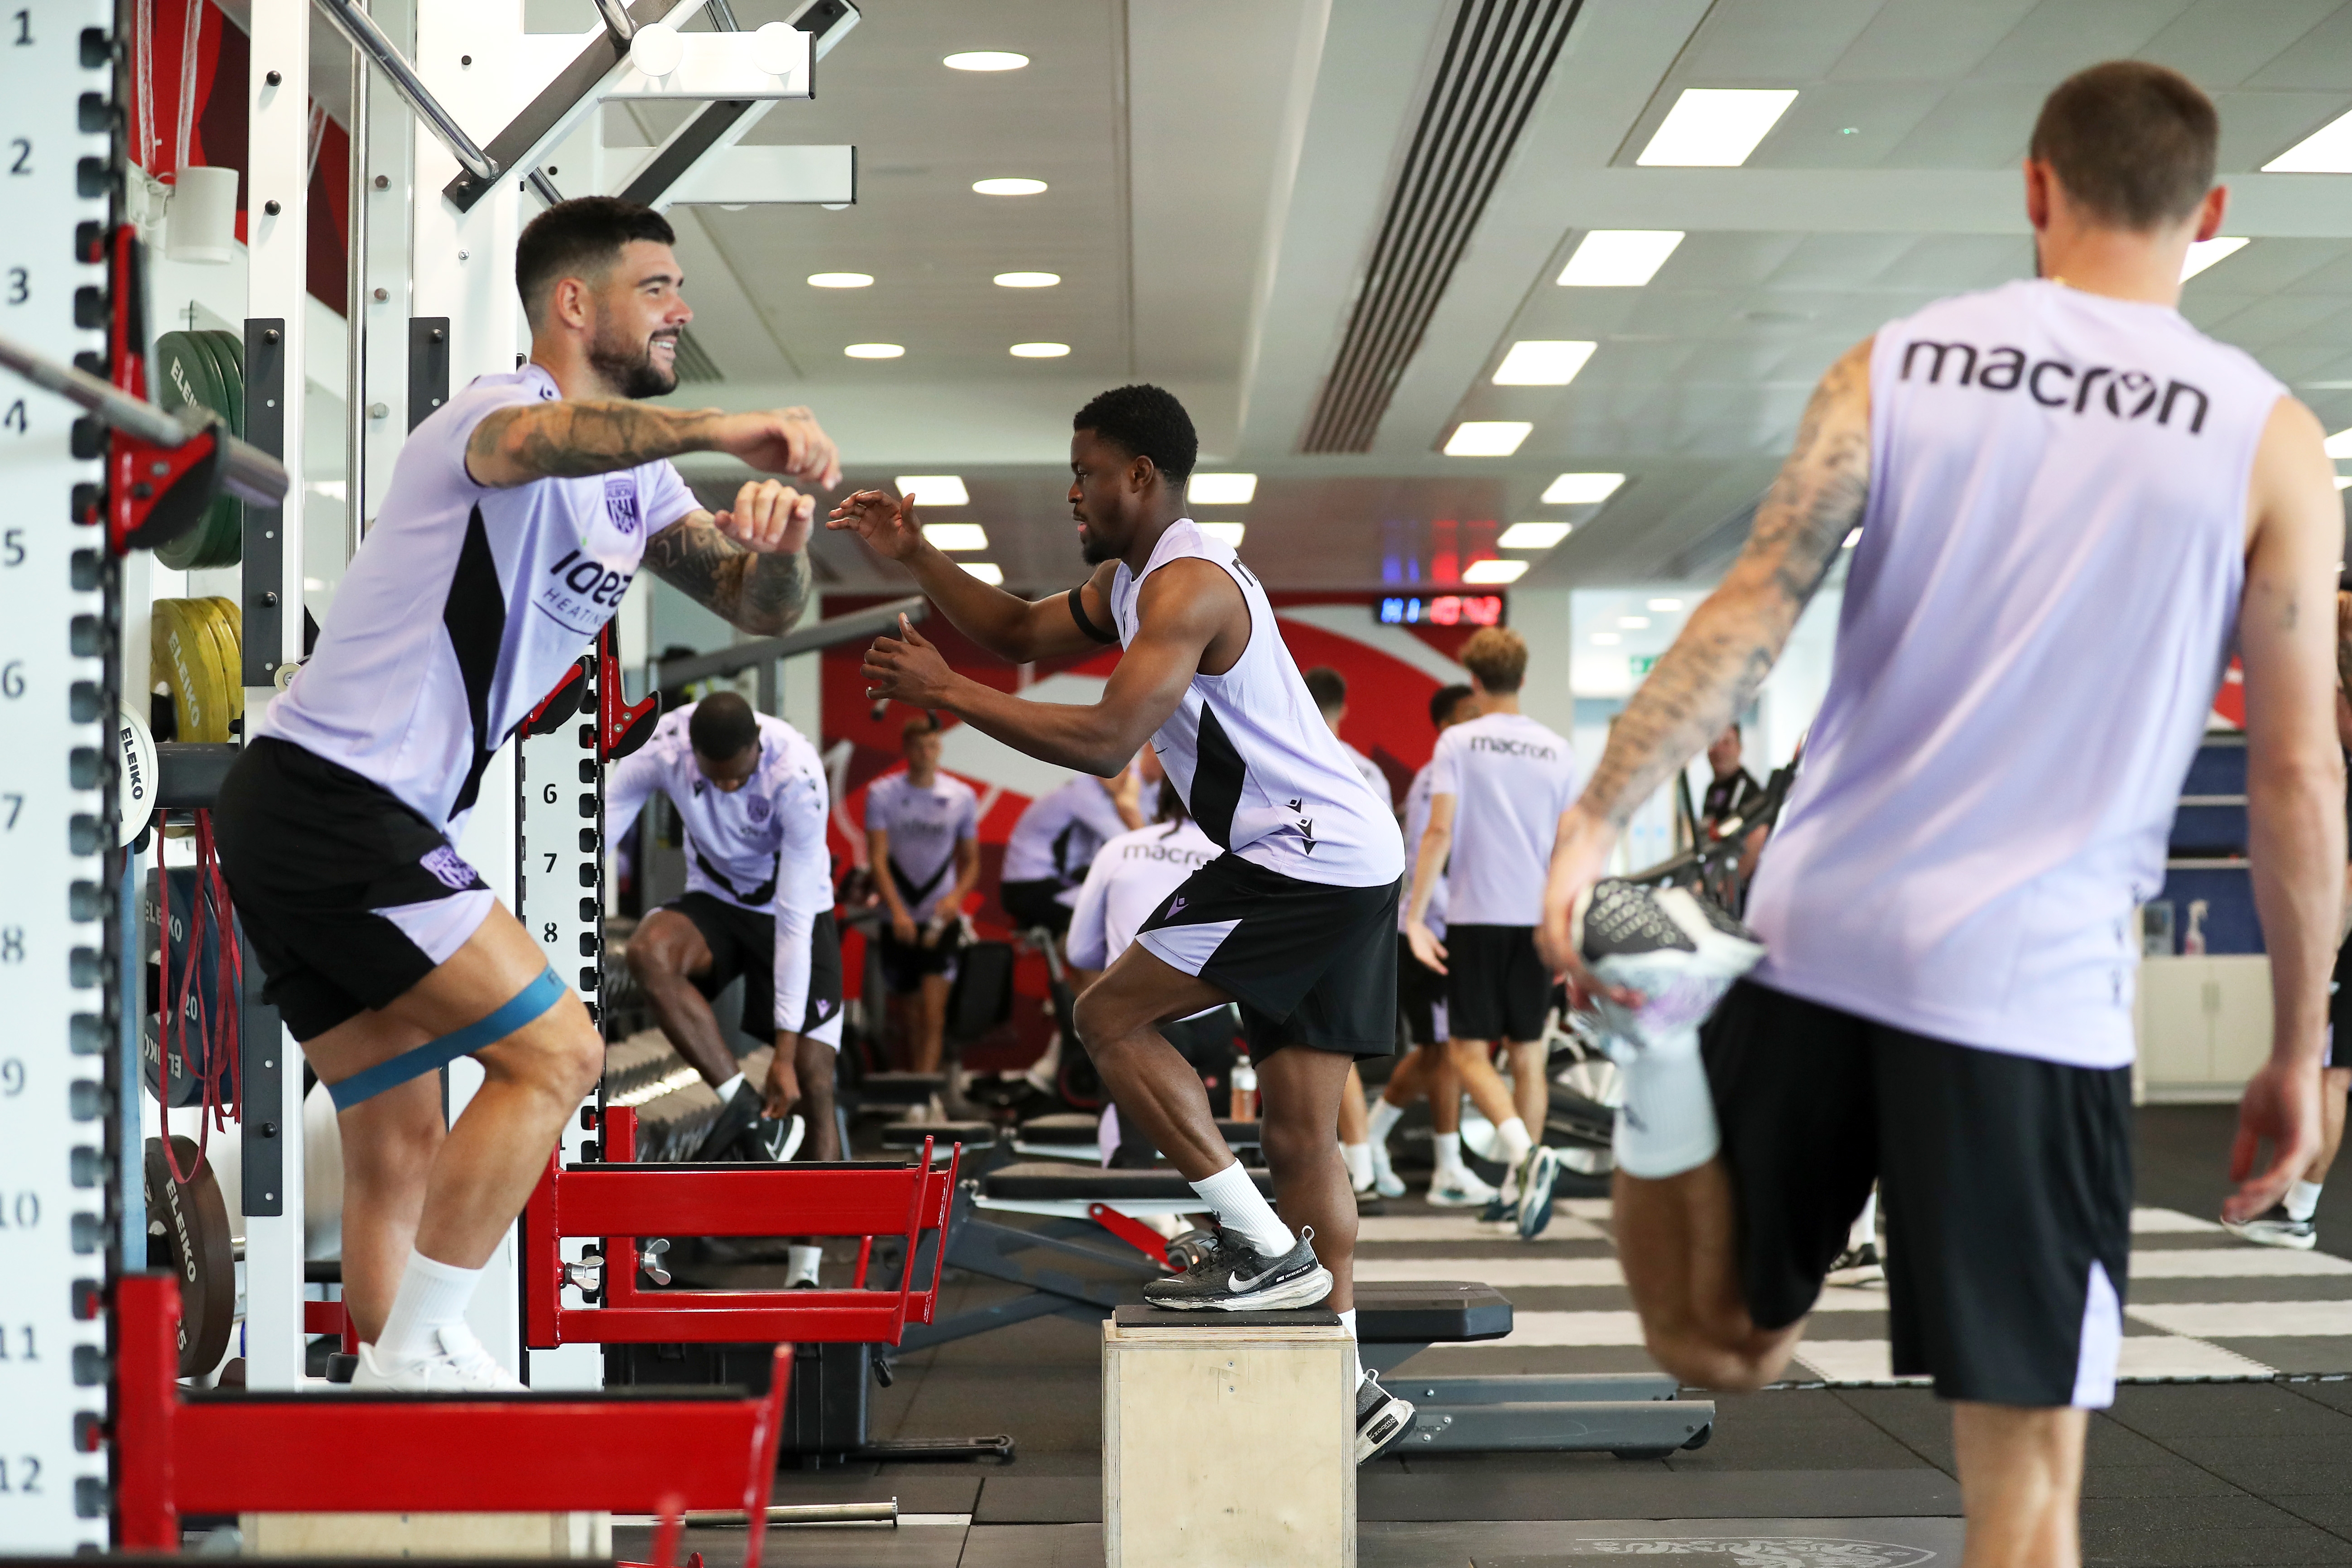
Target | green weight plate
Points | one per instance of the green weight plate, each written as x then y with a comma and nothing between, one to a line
223,529
228,353
185,375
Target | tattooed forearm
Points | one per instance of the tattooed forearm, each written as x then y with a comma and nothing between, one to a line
1730,641
569,441
762,594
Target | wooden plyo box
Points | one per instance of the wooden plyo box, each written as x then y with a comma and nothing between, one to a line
523,1535
1229,1440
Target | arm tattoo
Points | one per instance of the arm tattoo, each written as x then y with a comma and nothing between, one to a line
570,441
763,594
1728,646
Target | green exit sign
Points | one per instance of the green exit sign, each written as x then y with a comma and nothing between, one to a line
1642,662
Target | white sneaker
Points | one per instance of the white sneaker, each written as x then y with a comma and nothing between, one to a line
1385,1181
460,1367
1459,1188
1679,949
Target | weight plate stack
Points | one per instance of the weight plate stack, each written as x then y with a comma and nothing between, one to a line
194,658
194,369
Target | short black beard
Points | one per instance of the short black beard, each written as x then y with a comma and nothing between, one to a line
633,372
1093,549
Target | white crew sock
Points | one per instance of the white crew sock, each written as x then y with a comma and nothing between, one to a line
726,1091
1512,1137
432,1296
1239,1206
2302,1200
804,1262
1864,1232
1447,1151
1666,1124
1348,1322
1384,1119
1359,1157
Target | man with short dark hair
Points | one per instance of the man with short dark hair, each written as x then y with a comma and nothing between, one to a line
922,836
516,515
1330,690
2064,534
1295,921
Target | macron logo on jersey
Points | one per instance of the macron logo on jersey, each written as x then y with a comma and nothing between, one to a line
1514,748
2054,384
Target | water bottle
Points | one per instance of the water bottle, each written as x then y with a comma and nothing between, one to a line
1245,1091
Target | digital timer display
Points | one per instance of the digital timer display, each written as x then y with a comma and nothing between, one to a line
1439,610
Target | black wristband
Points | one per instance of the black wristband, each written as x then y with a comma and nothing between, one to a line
1086,622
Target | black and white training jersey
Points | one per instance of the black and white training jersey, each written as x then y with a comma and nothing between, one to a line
1055,839
925,824
464,606
1260,771
1131,877
761,847
1510,778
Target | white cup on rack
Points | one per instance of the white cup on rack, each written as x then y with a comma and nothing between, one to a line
202,225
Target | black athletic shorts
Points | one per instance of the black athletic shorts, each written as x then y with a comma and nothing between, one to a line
1497,988
2339,1009
1035,902
1420,996
2006,1183
1310,964
743,943
349,896
904,967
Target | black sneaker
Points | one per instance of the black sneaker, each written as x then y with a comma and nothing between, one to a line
1382,1419
1677,948
736,1118
2275,1228
1235,1276
1858,1265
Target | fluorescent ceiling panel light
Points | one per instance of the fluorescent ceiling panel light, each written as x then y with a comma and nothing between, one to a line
1008,187
1665,607
1487,437
1851,540
841,279
2326,151
1533,362
935,489
1029,279
1618,257
955,535
2343,482
1716,128
873,351
986,571
1494,571
2339,446
1220,489
985,60
1634,623
1229,532
2203,253
1533,535
1581,490
1606,639
1039,351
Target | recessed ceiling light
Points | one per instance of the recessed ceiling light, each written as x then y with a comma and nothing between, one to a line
985,60
1533,362
1606,639
2203,253
2340,444
1618,257
1008,187
1851,540
1231,532
1581,490
1027,279
955,535
1533,535
1634,623
933,489
1487,437
1039,351
2326,151
1716,128
1665,607
841,279
873,351
1492,571
986,571
1220,489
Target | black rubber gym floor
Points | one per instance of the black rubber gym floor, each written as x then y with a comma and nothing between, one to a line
2219,1475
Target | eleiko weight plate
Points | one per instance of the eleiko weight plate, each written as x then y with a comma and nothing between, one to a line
185,377
187,1232
222,625
225,519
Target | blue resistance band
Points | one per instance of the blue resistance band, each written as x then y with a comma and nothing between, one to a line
528,1004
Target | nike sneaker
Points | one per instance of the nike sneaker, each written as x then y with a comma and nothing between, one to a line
1459,1188
1385,1181
1537,1174
1858,1265
1680,950
736,1118
1232,1275
1382,1420
2275,1228
459,1364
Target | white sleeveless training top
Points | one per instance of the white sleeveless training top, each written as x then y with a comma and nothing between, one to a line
1258,769
2037,614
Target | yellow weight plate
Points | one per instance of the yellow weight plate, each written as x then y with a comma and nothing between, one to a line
187,661
221,621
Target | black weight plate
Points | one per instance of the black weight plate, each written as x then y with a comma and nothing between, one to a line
187,1232
184,375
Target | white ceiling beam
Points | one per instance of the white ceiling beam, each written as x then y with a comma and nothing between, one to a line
752,175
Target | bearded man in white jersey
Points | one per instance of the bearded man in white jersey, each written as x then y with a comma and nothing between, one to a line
518,514
1295,921
2073,507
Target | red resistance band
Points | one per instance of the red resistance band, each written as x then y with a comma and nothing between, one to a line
219,1030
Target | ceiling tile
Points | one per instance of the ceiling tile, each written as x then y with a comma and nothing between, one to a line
2320,58
1928,40
2061,36
1844,125
1978,125
1787,41
2221,43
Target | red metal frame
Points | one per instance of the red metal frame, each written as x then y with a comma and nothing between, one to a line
139,474
618,1201
1133,1232
621,728
294,1453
